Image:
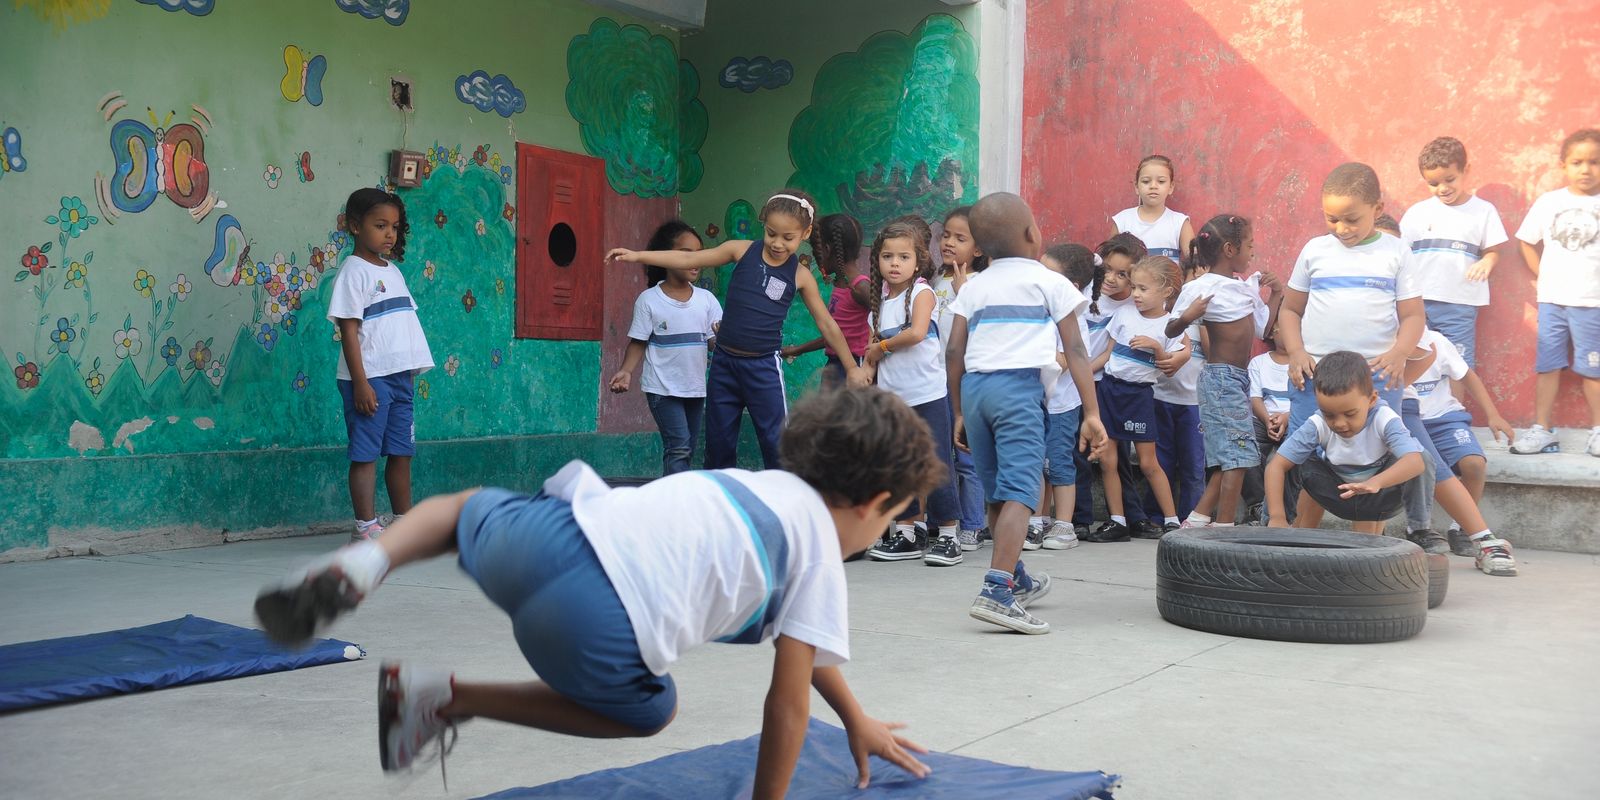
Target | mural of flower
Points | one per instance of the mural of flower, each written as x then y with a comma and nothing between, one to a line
275,308
499,285
440,219
428,270
290,324
291,299
480,227
128,342
144,283
171,350
77,275
422,388
300,382
452,364
712,231
272,175
339,239
63,335
199,355
249,273
494,162
35,260
311,279
480,156
427,168
509,213
181,287
267,336
73,218
494,358
214,373
95,382
505,174
280,267
275,286
468,301
316,258
27,375
461,162
295,280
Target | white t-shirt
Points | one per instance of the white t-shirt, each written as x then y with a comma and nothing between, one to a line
1012,309
1356,458
1096,324
1182,388
1232,298
944,291
391,336
1161,237
1351,294
675,335
1431,389
1445,241
1569,226
916,373
729,556
1130,364
1064,396
1269,381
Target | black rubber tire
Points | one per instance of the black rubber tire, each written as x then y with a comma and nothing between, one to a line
1332,587
1438,578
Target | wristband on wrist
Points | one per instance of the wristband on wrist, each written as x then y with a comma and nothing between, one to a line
883,345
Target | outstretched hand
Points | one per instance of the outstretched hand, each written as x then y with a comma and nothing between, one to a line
622,254
869,737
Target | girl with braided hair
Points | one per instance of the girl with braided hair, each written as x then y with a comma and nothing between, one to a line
836,244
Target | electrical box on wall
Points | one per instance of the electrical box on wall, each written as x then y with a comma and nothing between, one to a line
405,168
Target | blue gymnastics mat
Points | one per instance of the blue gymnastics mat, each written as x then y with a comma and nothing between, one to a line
171,653
825,772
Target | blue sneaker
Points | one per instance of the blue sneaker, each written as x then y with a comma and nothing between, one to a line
997,605
1029,587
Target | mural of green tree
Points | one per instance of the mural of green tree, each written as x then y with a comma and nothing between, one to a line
892,128
638,108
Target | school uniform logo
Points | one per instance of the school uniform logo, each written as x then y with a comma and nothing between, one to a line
1134,427
1463,436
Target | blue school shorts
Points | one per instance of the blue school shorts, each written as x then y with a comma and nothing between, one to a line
533,561
1453,438
1128,409
1060,442
1003,412
1457,322
1569,336
388,432
1226,419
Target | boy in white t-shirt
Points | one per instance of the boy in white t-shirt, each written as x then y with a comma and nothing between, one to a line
1560,239
1455,239
382,350
1001,358
601,606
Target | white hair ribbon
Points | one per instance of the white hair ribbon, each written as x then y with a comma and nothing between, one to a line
801,200
1098,261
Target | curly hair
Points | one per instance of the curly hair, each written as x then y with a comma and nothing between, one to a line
897,230
361,202
663,239
1078,263
1122,244
1354,179
853,443
1445,151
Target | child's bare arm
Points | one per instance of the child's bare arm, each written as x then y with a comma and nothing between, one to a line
1483,267
630,362
955,366
1407,467
1480,395
868,737
1290,315
785,715
1421,359
366,400
1259,408
1391,365
1531,253
1277,468
806,286
724,253
1091,433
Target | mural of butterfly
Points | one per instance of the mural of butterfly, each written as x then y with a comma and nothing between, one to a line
302,75
11,159
230,251
157,160
303,164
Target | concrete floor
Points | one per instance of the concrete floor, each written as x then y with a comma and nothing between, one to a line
1496,698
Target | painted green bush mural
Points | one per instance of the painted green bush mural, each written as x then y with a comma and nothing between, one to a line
892,128
638,107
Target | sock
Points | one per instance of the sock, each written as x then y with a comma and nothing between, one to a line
906,529
998,576
1120,520
1221,524
947,531
1478,537
1198,519
1062,526
1171,520
366,523
367,558
1039,521
1455,526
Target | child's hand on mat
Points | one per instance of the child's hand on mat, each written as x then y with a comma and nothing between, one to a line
1349,490
1301,367
620,381
1391,367
1498,425
869,737
366,399
622,254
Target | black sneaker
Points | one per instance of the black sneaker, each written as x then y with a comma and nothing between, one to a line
944,552
986,536
895,547
1146,529
1080,530
1460,545
1431,542
922,534
1109,531
1035,538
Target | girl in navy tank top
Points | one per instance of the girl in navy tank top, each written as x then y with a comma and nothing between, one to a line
746,370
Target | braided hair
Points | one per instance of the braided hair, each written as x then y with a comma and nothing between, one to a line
835,242
1080,264
1124,244
897,230
1205,249
362,201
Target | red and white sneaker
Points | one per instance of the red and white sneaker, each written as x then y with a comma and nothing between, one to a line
366,531
296,607
409,723
1495,558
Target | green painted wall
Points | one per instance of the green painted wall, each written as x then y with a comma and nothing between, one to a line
141,392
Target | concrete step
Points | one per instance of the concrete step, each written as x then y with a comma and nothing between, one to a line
1549,501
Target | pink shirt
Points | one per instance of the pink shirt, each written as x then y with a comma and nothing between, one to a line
851,317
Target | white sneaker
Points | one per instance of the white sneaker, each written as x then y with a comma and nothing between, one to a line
367,531
1060,537
409,724
1539,439
1494,557
1594,442
296,607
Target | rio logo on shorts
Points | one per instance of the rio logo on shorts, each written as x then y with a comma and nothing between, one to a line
1134,427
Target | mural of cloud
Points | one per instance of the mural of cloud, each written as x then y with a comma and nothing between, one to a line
495,94
391,11
198,8
750,74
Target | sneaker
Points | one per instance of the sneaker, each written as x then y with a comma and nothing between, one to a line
985,536
1108,531
921,529
1146,529
1593,447
1186,525
1035,537
1080,530
1460,545
1027,588
409,724
969,540
1494,557
944,552
367,531
1060,537
306,601
1430,541
1539,439
996,605
896,546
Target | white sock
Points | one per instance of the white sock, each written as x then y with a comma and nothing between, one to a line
1119,519
1221,524
367,561
1039,521
1062,526
1171,520
1198,519
947,531
1486,534
906,529
366,523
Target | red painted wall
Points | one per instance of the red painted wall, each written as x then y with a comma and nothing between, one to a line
629,222
1257,100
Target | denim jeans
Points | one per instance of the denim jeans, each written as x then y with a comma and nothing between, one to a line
679,420
969,493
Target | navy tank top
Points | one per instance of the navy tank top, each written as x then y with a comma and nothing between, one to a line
758,300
